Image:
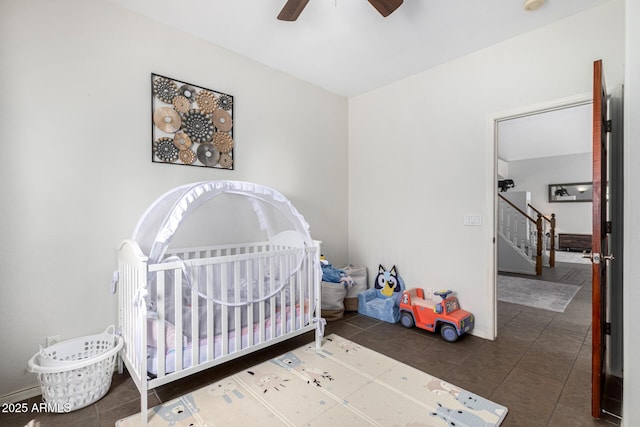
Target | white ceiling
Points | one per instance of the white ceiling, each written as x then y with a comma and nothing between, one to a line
346,47
553,133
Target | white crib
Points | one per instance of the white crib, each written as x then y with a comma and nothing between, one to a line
204,306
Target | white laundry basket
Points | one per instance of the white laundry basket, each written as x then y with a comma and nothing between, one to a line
76,373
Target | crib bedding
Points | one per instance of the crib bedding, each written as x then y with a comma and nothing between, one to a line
206,292
203,343
235,282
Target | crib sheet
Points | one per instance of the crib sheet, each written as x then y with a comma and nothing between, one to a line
187,353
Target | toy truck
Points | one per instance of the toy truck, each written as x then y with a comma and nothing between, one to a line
445,315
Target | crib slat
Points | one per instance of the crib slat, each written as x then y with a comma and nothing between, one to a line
300,297
195,318
177,303
224,309
314,280
160,338
237,310
249,275
138,313
283,273
291,305
309,292
294,296
261,309
210,314
272,300
125,288
313,287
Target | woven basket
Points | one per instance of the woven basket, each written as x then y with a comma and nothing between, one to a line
76,373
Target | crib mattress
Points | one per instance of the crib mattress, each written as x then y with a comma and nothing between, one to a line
187,352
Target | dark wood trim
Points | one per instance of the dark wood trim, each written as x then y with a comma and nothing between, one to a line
552,234
540,213
597,342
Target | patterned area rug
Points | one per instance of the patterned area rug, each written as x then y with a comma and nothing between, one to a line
344,384
536,293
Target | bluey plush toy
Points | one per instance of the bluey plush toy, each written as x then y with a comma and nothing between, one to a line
383,300
387,282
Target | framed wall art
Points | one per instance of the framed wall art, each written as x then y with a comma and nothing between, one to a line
572,192
191,125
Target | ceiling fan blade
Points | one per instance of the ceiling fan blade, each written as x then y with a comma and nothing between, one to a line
386,7
292,9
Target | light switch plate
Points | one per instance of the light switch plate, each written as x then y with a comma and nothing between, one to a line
473,219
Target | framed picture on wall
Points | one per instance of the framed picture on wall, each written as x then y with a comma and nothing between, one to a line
191,125
573,192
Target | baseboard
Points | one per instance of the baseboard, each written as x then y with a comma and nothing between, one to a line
21,395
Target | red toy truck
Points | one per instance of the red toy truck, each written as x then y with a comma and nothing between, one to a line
428,314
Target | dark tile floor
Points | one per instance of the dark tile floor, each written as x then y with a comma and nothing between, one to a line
539,366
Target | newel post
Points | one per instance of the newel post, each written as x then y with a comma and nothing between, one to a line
539,245
552,250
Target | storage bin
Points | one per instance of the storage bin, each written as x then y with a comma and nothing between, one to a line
359,275
76,373
333,300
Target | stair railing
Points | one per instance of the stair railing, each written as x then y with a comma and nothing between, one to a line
551,233
517,229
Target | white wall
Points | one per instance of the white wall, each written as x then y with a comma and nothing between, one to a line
426,158
631,392
76,140
74,82
503,169
535,175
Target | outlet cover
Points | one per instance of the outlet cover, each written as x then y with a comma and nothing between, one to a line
473,219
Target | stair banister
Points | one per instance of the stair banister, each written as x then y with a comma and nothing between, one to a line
552,235
539,245
552,253
539,232
526,215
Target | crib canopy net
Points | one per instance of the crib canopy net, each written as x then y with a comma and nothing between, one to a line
217,212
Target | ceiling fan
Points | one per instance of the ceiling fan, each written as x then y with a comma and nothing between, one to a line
293,8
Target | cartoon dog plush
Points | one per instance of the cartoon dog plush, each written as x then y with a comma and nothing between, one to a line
382,301
387,282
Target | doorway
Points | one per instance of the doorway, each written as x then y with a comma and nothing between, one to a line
521,128
541,153
576,103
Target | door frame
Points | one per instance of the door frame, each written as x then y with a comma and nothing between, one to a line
494,119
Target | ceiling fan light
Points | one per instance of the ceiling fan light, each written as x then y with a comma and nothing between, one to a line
531,5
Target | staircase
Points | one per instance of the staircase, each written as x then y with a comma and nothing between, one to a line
524,238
